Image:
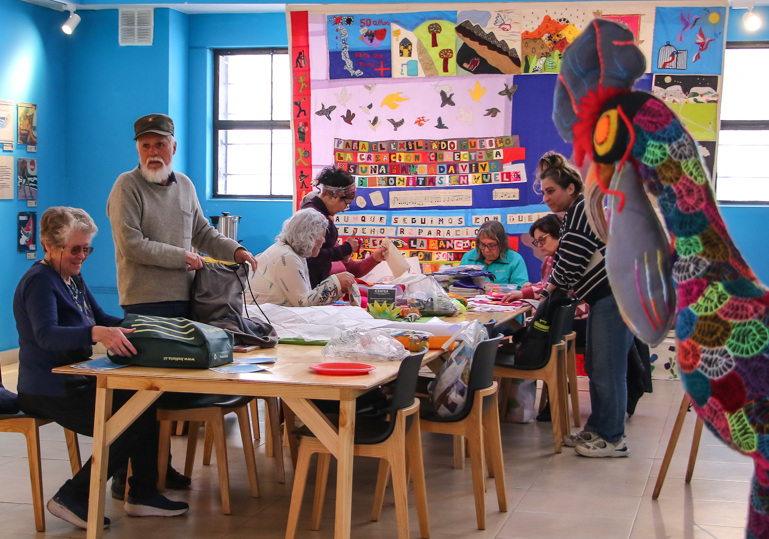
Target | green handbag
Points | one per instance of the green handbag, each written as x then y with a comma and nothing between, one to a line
176,343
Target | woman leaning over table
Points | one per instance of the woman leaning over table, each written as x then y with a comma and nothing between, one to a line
282,276
58,321
493,252
579,266
546,231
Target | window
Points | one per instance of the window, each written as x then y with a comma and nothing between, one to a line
743,140
252,129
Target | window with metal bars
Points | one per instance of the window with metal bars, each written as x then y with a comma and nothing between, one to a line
252,131
743,140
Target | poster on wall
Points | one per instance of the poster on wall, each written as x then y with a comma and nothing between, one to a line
27,125
26,178
6,177
689,40
694,98
6,124
26,230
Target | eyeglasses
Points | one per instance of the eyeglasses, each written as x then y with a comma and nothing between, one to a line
78,249
488,246
540,241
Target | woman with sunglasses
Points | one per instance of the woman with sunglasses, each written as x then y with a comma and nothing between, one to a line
58,320
545,231
492,251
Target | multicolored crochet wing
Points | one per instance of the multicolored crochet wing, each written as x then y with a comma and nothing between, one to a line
721,316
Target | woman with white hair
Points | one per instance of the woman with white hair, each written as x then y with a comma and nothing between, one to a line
282,277
58,321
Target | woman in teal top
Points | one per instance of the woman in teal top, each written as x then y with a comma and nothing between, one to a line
493,252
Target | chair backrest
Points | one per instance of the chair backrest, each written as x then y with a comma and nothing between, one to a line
562,323
404,393
491,328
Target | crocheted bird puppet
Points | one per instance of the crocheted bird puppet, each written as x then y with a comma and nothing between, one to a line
692,276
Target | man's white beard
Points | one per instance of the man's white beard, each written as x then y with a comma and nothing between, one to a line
156,176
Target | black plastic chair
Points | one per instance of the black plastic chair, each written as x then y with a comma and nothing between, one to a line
478,421
552,369
393,436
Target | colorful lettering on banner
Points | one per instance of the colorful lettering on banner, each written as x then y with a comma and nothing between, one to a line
301,87
359,46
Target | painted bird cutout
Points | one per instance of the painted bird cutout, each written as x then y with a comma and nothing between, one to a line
370,87
477,92
367,108
393,101
465,115
703,43
447,99
348,117
687,22
343,96
396,124
694,277
325,111
492,112
373,124
508,91
440,124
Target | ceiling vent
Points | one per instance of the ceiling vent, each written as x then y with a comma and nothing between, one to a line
136,26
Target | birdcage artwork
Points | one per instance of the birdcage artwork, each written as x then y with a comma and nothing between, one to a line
671,58
405,48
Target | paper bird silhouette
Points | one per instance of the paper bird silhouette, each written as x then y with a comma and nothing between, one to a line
370,87
446,99
343,97
465,115
397,124
477,92
393,100
702,42
373,124
509,91
348,117
325,111
492,112
688,23
441,125
367,108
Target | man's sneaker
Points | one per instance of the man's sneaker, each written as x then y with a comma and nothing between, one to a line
581,438
176,480
155,505
117,488
601,448
73,511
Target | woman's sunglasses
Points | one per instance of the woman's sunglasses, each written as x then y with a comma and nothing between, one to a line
540,241
78,249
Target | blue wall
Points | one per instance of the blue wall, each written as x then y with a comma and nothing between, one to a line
33,52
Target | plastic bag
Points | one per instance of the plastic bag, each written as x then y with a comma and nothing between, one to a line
448,392
425,294
521,407
373,344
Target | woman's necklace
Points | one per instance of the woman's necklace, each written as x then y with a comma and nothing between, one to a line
74,291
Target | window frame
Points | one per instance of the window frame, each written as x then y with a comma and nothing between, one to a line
739,125
232,125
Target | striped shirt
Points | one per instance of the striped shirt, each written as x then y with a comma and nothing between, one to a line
579,262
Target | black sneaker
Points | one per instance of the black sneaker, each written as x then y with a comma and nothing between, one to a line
155,505
176,480
73,511
118,487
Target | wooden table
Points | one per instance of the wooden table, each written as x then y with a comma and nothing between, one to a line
289,379
502,317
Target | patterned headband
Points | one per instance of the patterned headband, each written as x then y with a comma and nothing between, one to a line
341,192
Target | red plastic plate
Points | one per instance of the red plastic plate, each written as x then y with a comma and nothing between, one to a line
342,369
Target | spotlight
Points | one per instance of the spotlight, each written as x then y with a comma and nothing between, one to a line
69,26
751,20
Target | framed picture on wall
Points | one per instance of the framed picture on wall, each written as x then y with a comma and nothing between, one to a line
27,124
6,122
26,178
26,231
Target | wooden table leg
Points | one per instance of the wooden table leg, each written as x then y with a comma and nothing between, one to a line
345,448
103,412
277,443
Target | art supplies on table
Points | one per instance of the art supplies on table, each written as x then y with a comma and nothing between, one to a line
98,364
254,360
238,369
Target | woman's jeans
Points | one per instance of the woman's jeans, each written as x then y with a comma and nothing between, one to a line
608,344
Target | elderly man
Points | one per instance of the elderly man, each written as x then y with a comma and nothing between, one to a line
156,219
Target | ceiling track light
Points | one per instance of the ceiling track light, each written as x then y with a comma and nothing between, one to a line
71,23
751,21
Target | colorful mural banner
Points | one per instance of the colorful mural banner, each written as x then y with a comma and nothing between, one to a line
301,91
689,39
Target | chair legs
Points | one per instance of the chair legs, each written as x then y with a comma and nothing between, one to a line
571,372
32,434
672,446
73,448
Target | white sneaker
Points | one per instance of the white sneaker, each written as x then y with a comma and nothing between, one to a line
581,438
601,448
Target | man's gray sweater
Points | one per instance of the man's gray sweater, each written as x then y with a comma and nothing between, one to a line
153,226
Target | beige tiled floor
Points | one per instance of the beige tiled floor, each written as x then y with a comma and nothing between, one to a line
549,495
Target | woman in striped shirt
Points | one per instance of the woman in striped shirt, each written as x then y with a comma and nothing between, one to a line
579,266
